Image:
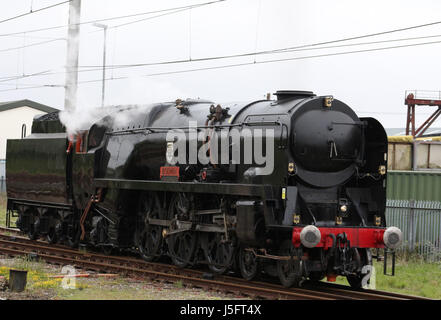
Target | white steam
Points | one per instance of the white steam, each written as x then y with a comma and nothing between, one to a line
80,119
138,94
122,117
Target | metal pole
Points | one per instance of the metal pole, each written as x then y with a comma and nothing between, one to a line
104,68
103,89
411,225
73,50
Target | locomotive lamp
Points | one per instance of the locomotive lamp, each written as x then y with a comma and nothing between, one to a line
392,237
296,219
328,102
310,236
377,220
382,170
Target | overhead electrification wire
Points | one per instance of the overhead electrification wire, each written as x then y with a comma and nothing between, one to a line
314,46
31,45
268,61
254,63
47,73
207,3
32,37
169,12
35,87
275,51
39,73
148,18
34,11
112,18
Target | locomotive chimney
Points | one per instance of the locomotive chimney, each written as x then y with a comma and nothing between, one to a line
293,94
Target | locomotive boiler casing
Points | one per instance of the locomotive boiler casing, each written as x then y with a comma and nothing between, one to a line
324,144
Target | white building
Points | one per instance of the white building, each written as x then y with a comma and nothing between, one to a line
13,115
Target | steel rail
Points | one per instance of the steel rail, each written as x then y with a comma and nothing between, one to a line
80,259
15,245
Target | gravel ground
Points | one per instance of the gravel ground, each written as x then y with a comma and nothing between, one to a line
100,288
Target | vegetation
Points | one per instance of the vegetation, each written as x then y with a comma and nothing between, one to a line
2,210
413,276
3,203
42,285
37,277
133,289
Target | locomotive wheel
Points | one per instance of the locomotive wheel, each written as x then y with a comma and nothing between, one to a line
248,264
149,237
107,250
182,245
218,252
73,240
34,226
316,276
285,268
356,281
55,231
73,236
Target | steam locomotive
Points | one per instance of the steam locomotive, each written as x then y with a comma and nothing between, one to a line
293,187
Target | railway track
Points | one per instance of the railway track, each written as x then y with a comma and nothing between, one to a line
16,245
10,231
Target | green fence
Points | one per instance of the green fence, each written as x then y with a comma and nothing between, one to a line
414,206
414,185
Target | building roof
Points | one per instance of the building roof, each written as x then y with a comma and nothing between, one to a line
4,106
402,131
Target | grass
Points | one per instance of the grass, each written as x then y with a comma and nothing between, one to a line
413,277
134,289
2,209
37,276
128,289
3,204
40,285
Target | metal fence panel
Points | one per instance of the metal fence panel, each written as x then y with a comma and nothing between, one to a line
420,222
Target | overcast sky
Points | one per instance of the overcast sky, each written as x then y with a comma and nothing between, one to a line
372,83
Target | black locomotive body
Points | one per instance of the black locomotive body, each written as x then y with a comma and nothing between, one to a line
296,186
